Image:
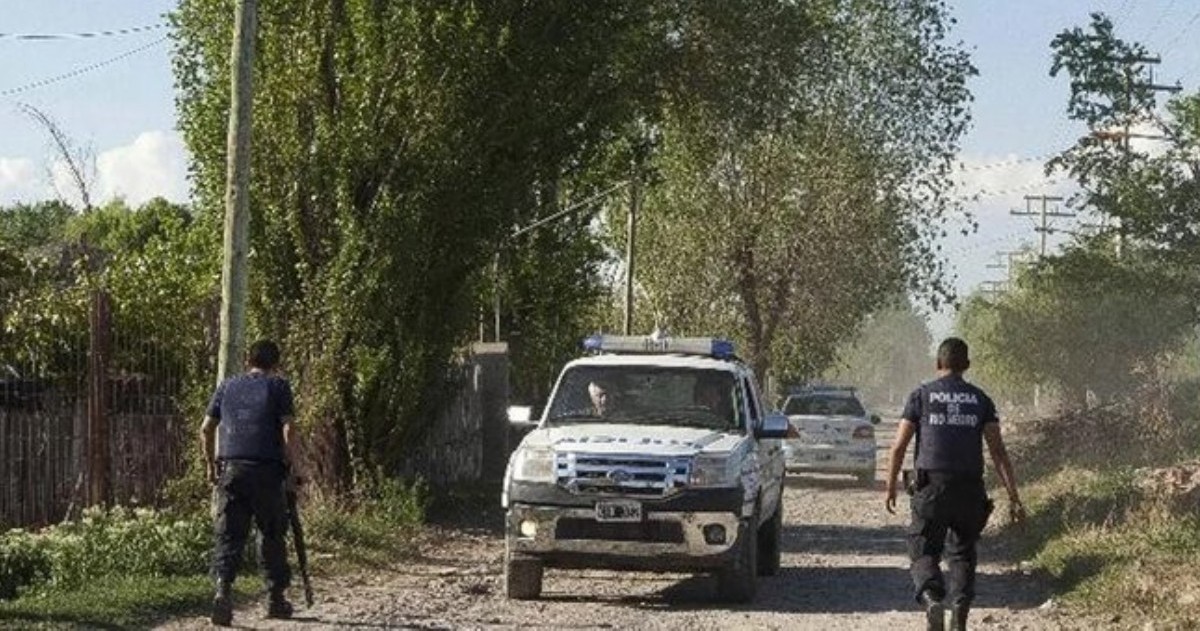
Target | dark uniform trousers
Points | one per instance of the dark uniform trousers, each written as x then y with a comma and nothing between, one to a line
248,490
949,512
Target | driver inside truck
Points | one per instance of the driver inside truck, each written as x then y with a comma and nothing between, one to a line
601,397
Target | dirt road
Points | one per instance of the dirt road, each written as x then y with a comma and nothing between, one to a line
844,568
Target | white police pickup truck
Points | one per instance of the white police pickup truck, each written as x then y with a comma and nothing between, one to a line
653,454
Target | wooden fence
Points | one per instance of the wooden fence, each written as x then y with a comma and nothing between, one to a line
42,458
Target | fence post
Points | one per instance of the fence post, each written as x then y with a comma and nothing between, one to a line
492,360
99,342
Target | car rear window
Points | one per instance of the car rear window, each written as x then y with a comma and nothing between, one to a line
823,405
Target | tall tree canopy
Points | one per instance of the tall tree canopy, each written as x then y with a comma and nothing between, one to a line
1100,317
791,208
399,144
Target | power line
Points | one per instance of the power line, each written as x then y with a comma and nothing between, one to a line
79,71
570,209
1013,189
1157,23
1186,27
134,30
1004,163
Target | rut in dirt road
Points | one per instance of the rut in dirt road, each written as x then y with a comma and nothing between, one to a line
843,568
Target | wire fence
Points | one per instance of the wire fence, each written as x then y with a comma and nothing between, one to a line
102,421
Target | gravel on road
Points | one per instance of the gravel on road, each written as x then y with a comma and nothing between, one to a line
844,567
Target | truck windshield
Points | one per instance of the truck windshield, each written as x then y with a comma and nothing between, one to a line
650,395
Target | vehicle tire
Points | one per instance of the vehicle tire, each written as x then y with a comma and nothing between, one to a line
738,581
770,549
522,578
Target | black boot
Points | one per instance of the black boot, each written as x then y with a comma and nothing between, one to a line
279,607
935,613
958,617
222,610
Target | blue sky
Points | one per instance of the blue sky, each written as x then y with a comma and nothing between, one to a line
125,111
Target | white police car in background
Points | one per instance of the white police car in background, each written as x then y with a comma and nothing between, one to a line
835,433
653,454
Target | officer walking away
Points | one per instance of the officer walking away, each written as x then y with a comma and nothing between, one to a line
250,422
951,420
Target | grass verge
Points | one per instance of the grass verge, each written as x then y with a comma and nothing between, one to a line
1107,548
114,603
131,568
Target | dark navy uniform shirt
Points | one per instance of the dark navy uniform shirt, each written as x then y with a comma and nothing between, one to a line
950,414
250,410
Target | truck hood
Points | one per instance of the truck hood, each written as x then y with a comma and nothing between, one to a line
609,438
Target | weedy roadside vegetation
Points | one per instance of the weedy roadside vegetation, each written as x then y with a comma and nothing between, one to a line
124,567
1114,511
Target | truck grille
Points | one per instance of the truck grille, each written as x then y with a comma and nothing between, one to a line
647,476
591,530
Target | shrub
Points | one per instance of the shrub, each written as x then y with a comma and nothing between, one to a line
124,541
371,527
116,542
23,561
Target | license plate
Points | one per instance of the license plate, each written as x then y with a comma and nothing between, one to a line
619,511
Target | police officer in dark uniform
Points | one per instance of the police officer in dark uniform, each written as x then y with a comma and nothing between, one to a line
250,422
951,420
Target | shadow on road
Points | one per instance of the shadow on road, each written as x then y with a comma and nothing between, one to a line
821,590
826,539
830,482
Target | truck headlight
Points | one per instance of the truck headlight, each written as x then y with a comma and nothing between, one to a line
712,471
534,464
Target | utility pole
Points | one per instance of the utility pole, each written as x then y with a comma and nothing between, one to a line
237,191
994,288
496,296
1045,214
1130,61
635,201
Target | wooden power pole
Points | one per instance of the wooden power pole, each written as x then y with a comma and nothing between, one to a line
237,191
1045,213
635,200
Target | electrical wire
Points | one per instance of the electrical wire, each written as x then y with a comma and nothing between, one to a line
86,35
1012,189
1186,27
1005,163
1157,23
80,71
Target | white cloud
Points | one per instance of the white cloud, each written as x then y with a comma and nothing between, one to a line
19,180
153,165
1001,179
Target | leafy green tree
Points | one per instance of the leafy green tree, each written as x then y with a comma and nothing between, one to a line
158,270
888,356
1153,194
27,226
1082,322
396,147
785,222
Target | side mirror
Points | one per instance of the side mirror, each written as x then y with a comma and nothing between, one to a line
774,425
875,420
521,416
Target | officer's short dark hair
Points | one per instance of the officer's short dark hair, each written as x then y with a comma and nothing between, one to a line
264,355
953,355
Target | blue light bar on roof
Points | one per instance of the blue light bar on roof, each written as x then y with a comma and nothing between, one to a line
704,346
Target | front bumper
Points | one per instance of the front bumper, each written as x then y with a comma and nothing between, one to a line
668,541
828,459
